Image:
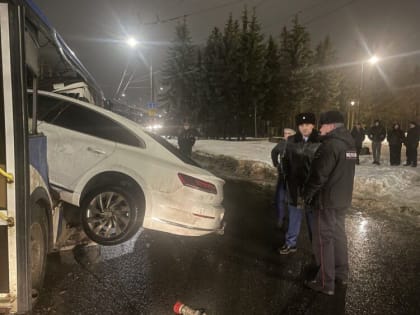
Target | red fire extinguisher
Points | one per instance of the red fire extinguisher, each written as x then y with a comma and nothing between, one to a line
182,309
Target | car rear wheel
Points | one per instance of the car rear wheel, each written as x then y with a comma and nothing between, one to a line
38,247
111,215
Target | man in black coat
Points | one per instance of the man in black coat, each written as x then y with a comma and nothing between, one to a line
377,134
329,190
358,134
412,143
186,140
395,139
300,151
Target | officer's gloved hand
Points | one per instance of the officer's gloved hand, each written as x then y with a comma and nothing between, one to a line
309,202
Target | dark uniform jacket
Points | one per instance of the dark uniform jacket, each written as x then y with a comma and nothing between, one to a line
330,183
413,135
186,138
297,161
396,137
377,133
358,136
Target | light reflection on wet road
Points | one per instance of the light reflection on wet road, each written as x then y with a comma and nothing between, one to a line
239,273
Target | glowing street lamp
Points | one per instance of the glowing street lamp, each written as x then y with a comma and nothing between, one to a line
372,60
350,114
132,42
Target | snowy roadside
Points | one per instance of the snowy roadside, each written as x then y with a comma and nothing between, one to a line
394,190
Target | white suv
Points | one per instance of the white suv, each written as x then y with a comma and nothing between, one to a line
123,177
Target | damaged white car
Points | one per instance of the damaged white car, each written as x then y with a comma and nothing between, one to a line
122,177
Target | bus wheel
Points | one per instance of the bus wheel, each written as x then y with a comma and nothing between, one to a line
38,247
111,215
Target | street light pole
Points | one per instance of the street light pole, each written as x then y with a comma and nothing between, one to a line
133,43
152,96
372,60
255,120
360,91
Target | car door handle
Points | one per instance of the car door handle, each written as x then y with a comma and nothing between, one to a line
96,150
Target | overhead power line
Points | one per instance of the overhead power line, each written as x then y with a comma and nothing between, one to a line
197,12
308,9
346,4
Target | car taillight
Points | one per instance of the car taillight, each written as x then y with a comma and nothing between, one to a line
196,183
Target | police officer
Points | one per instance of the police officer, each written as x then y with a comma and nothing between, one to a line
300,150
186,139
329,190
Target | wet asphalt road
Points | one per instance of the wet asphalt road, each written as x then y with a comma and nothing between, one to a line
240,272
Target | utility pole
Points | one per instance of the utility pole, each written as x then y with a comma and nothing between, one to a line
255,120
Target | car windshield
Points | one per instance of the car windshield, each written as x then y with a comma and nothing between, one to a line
174,150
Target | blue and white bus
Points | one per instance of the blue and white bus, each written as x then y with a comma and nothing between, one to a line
32,56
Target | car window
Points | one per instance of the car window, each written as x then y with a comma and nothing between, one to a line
48,108
174,150
75,117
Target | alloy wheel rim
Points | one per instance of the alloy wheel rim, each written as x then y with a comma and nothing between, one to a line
108,215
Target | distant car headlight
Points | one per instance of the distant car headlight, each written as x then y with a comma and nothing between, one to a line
154,127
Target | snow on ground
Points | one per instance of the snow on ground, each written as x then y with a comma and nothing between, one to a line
394,189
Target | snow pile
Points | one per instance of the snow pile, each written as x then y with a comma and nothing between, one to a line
381,188
384,188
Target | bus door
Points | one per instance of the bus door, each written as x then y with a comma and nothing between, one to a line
15,273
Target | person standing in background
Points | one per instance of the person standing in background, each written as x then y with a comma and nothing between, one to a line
377,134
412,143
395,140
186,139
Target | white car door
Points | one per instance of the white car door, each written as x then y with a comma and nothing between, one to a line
75,138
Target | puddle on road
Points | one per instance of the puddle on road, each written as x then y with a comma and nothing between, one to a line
94,253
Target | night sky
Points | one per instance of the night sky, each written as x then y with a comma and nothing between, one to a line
96,29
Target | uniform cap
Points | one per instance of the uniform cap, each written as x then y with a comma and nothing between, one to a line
305,118
331,117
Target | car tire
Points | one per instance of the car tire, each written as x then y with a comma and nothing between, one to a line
111,215
38,247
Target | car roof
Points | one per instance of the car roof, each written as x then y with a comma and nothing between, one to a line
114,116
128,123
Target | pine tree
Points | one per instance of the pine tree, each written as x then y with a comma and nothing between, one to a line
178,75
271,81
230,88
326,79
251,56
296,62
214,108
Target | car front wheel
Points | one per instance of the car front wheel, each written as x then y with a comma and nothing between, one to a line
111,215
